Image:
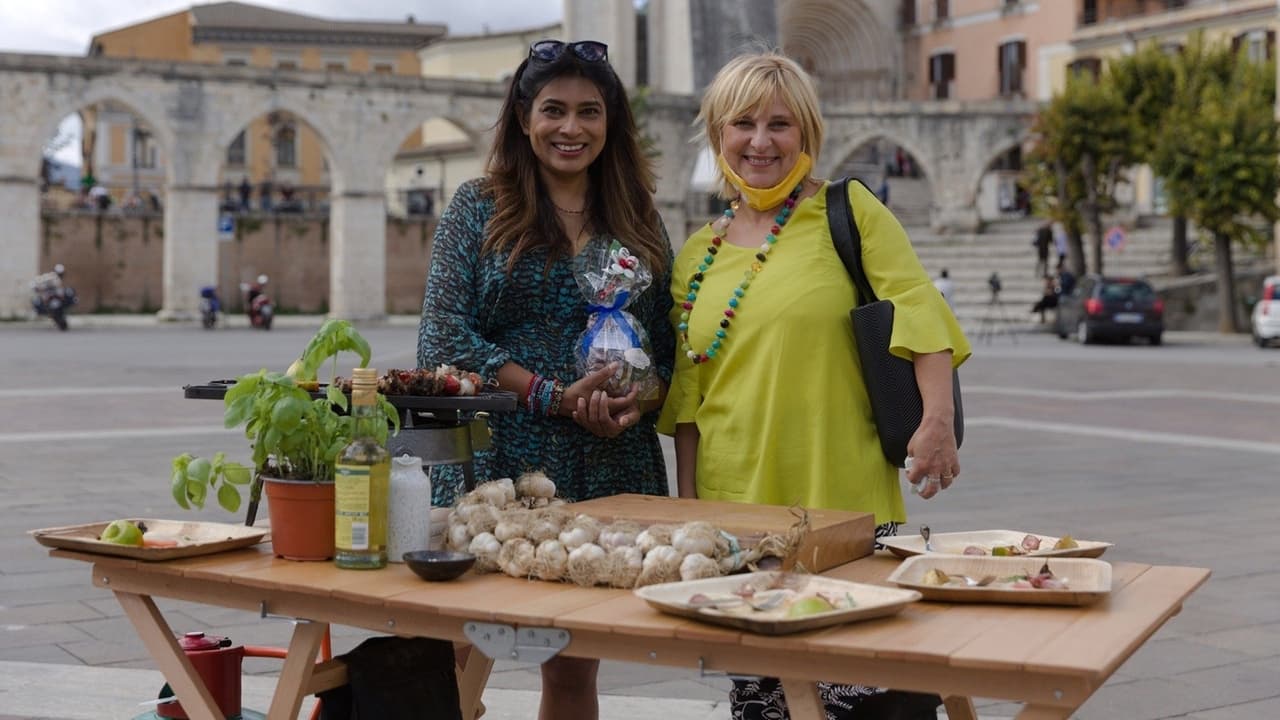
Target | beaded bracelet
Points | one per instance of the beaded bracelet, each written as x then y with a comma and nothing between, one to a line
557,398
528,391
533,396
545,391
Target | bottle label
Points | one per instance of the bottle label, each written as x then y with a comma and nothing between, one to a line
360,504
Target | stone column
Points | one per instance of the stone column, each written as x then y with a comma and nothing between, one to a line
190,249
612,22
20,261
954,217
675,218
358,255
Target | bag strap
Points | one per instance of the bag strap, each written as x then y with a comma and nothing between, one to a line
846,238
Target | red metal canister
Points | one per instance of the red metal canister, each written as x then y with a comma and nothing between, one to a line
219,665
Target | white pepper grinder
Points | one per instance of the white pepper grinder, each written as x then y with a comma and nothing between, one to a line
409,508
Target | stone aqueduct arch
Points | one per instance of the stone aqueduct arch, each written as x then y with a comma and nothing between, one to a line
954,142
195,110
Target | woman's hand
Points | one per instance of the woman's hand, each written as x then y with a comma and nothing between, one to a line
933,455
606,416
593,409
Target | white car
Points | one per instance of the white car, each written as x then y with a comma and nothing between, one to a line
1266,313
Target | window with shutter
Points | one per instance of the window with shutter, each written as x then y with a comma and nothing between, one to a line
942,70
907,13
941,9
1011,60
1089,12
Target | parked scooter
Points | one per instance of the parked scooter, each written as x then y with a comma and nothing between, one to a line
258,304
51,298
210,306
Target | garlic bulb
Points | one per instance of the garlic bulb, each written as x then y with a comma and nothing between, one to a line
653,536
550,560
587,565
699,537
486,548
624,565
621,533
579,531
516,558
547,524
696,566
494,493
535,484
511,524
660,565
483,519
458,537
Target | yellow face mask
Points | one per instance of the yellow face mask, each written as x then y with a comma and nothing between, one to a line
763,199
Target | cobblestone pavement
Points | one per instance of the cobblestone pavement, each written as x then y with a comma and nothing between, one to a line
1170,452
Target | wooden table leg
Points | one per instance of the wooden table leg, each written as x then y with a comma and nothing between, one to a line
803,701
299,665
158,637
1043,712
960,708
473,675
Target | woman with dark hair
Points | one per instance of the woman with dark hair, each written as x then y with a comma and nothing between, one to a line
502,299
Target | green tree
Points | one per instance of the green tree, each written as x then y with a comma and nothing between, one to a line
1218,154
1147,80
1082,140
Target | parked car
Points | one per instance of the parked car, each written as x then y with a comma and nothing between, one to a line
1111,308
1266,313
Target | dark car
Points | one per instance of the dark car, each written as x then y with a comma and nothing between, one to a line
1111,308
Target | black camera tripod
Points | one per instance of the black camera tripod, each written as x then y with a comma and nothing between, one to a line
996,320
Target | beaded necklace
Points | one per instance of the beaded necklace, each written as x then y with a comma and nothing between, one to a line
719,229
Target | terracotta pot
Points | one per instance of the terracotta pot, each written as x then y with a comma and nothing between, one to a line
301,515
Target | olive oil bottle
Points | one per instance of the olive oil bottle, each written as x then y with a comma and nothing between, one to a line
362,471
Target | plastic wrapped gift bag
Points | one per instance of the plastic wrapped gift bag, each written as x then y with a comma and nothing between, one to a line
611,277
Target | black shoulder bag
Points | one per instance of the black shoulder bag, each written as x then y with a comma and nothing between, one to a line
891,381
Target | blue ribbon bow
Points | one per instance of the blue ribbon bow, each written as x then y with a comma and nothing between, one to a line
602,313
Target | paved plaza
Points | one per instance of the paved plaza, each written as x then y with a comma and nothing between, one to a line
1169,452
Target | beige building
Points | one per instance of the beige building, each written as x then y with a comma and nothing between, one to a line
423,179
976,50
1106,29
275,152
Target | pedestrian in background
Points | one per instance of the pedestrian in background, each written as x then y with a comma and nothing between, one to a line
1043,239
1060,241
946,287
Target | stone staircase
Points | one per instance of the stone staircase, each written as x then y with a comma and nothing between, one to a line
1005,247
910,200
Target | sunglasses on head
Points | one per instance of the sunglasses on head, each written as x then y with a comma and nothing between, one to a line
591,51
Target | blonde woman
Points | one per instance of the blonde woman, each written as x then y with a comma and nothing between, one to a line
766,403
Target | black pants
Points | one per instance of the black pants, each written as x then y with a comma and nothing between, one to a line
763,700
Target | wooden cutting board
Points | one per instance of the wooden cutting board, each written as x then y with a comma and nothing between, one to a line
835,537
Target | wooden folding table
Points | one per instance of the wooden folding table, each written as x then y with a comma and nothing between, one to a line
1050,659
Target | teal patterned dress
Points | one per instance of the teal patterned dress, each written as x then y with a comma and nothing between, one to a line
478,317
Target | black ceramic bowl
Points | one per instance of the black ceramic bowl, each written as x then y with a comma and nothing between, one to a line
438,564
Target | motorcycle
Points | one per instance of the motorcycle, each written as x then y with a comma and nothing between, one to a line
258,304
210,306
49,297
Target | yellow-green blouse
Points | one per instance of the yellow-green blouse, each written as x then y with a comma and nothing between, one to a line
781,410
